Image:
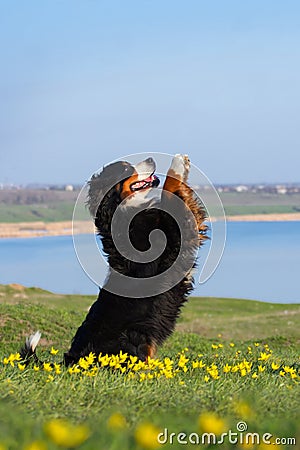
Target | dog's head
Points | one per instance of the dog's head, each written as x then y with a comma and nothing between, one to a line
117,182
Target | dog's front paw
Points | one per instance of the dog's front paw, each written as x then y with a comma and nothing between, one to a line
180,167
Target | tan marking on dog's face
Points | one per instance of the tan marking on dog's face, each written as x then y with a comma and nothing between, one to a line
126,191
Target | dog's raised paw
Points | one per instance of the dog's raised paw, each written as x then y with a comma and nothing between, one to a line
180,166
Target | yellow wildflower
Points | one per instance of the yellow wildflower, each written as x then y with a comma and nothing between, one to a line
35,445
65,434
83,363
74,369
116,422
243,372
146,435
21,366
264,356
275,366
53,351
50,379
90,358
282,373
12,358
226,368
47,367
36,368
257,344
104,360
57,368
142,376
214,346
209,422
254,375
232,344
182,361
261,368
206,378
243,410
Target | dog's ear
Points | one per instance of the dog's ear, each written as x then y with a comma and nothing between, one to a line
104,193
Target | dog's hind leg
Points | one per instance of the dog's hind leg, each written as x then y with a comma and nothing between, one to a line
135,343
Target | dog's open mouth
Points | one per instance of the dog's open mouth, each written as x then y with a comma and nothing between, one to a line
151,181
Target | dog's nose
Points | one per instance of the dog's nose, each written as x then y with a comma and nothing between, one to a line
149,160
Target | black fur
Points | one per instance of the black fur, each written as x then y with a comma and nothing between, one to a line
116,322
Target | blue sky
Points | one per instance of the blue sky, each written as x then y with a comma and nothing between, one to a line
85,82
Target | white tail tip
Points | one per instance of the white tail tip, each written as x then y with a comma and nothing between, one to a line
33,341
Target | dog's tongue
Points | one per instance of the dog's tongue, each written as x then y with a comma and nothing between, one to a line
149,179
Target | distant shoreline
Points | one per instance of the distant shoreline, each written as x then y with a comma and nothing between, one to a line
39,229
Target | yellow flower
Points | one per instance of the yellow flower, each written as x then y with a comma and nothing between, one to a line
275,366
83,363
104,360
12,358
47,367
214,346
243,410
282,373
35,445
50,378
73,369
257,344
116,422
53,351
243,372
226,368
209,422
21,366
142,376
206,378
182,361
146,435
220,345
261,368
254,375
57,368
36,368
264,356
232,344
65,434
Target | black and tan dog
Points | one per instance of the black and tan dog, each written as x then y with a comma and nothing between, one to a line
119,320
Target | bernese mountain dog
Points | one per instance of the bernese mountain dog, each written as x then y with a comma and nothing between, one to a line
132,316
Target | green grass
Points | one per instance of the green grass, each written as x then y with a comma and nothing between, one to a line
270,403
55,210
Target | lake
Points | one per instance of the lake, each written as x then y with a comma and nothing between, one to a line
261,261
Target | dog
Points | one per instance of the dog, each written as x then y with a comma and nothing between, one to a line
132,313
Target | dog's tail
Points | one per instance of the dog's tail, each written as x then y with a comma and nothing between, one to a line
27,352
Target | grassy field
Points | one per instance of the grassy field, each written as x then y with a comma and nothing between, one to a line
59,205
229,362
